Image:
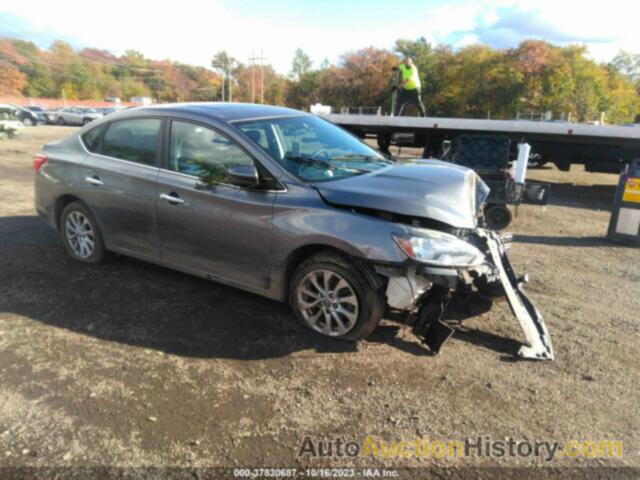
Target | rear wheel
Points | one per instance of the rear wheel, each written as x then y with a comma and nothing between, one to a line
331,296
61,121
28,122
80,234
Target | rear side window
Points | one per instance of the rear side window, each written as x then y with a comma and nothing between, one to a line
91,138
133,140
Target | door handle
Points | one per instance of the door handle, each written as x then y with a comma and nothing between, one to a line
172,198
94,180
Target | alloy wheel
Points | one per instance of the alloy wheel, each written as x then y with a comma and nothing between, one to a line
80,234
328,303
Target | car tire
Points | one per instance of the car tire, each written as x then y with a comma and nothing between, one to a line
86,121
497,217
331,311
81,235
61,121
28,122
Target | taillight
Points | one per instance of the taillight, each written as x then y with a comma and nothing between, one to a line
38,161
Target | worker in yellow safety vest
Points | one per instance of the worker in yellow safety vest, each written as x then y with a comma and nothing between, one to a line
409,87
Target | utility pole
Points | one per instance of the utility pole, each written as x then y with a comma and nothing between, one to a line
262,76
253,77
253,60
224,64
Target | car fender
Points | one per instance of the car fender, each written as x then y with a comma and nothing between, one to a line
299,221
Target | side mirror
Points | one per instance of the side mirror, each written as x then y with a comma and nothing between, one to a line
243,176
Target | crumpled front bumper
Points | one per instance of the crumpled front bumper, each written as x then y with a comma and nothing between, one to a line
538,345
425,292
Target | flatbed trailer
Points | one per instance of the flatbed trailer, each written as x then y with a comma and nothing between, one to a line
600,148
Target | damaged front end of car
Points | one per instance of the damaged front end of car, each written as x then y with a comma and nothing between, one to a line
474,268
437,209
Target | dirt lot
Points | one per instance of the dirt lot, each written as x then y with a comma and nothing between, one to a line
128,364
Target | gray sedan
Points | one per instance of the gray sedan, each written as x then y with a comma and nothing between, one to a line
286,205
76,115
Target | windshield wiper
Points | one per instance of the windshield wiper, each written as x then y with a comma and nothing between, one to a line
312,161
325,164
361,157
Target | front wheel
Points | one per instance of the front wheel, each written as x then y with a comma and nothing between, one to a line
80,234
28,122
61,121
331,296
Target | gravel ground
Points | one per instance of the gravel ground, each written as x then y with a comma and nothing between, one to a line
127,364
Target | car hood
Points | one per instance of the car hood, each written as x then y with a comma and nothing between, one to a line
422,188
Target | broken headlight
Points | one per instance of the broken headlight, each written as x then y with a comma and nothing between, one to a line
439,249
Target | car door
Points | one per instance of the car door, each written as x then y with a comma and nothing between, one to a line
204,223
119,178
68,115
76,116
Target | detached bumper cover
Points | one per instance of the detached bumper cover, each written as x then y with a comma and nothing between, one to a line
535,331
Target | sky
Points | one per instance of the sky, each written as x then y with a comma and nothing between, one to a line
191,31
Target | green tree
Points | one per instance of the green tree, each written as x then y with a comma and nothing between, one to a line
622,101
628,64
303,93
130,87
40,83
224,64
68,91
301,64
589,82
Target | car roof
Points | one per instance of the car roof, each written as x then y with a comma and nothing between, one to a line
227,112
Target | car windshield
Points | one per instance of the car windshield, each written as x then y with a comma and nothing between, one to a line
312,149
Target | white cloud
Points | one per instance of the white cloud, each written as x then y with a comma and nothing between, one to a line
605,27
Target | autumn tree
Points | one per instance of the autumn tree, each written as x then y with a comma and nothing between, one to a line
472,81
363,78
12,80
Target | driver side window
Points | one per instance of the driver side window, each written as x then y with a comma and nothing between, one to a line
202,152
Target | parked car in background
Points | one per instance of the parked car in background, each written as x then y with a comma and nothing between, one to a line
10,124
287,205
76,115
27,117
46,116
